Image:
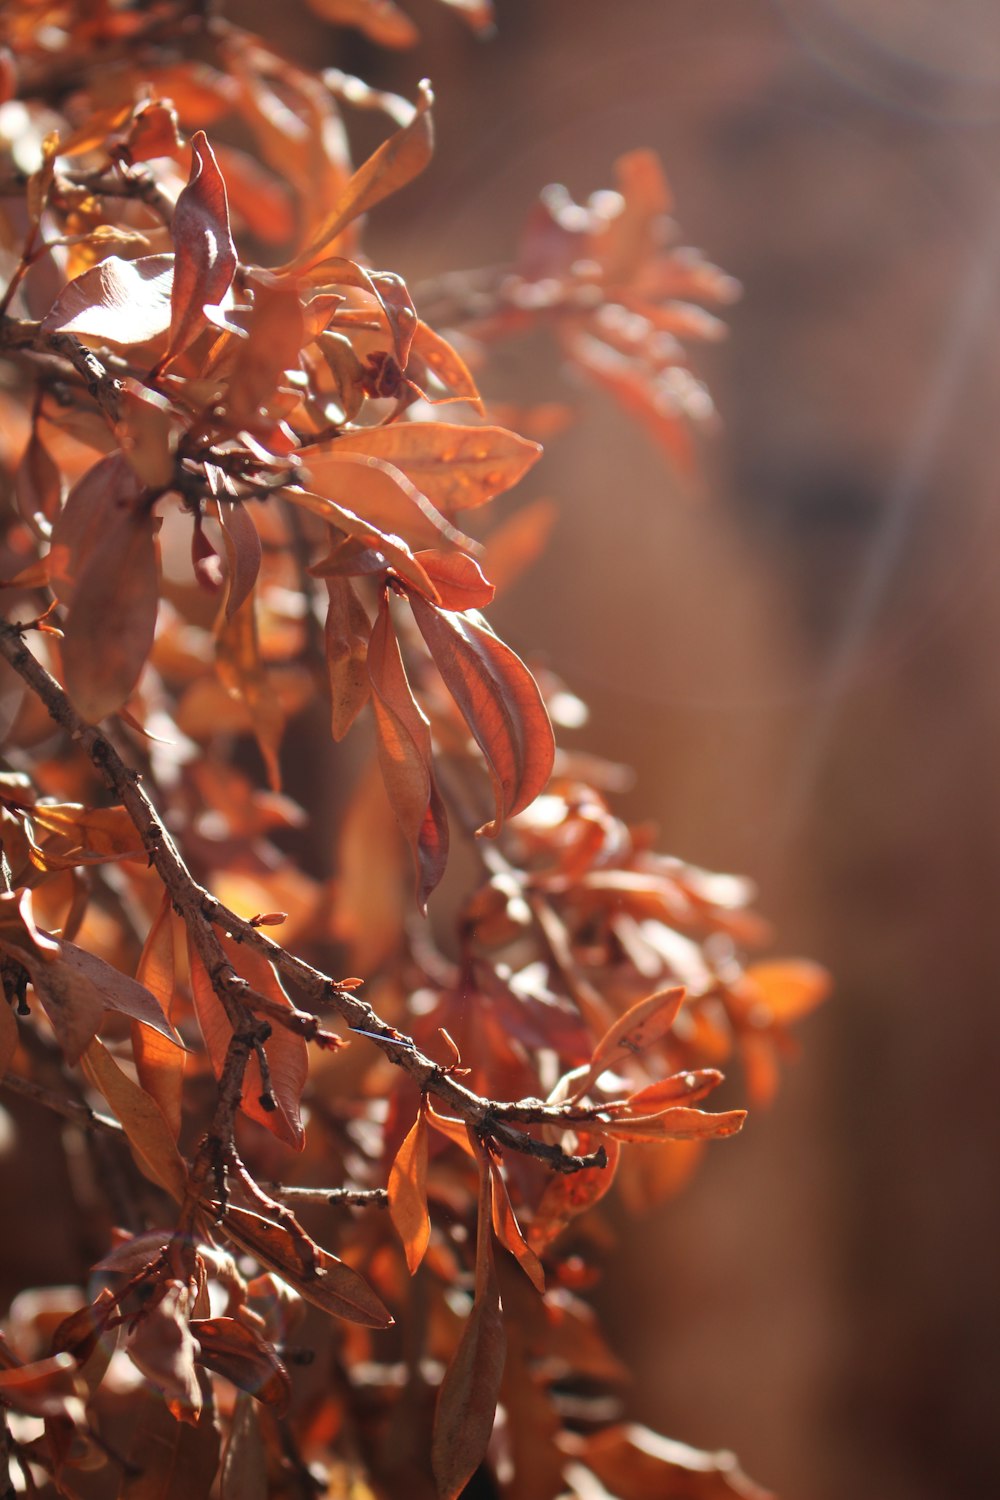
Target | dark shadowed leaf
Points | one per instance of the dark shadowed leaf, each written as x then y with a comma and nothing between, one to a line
171,1460
163,1348
112,620
567,1195
94,506
244,1468
245,1358
243,552
499,700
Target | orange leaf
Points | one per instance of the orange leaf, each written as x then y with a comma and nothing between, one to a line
277,333
394,551
346,634
676,1124
241,670
567,1195
788,988
287,1053
396,162
380,494
642,1024
148,1133
445,362
380,20
458,579
499,701
408,1193
205,256
159,1065
95,505
404,749
467,1399
112,620
508,1230
667,1091
455,467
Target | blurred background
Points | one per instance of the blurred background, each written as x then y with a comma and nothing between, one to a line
801,665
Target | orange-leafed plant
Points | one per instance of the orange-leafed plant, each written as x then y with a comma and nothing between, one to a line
238,460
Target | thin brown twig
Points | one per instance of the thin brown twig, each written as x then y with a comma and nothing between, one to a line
202,913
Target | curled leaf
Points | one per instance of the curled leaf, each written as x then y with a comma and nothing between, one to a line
498,699
205,256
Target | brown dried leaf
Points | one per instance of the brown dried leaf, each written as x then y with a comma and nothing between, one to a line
49,1388
331,1285
173,1460
38,486
94,506
677,1124
242,673
636,1463
8,1037
567,1195
404,748
640,1027
498,699
159,1065
408,1193
163,1348
147,431
148,1133
244,1468
243,552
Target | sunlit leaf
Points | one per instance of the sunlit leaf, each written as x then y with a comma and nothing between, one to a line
408,1193
455,467
205,256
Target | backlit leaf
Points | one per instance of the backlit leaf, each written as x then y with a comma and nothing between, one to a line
148,1132
395,163
380,20
640,1027
121,302
788,988
444,361
408,1193
159,1065
455,467
205,256
330,1284
245,1358
508,1231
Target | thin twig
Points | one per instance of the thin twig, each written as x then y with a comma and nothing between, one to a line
71,1109
202,913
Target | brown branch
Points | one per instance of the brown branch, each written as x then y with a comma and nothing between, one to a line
202,913
347,1196
21,335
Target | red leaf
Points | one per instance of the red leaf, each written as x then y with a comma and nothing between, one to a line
247,1360
408,1193
404,748
277,333
457,578
112,620
95,505
205,256
498,699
